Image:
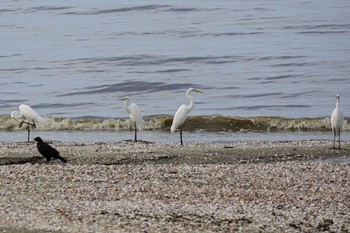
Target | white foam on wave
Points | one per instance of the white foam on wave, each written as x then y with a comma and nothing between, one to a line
205,123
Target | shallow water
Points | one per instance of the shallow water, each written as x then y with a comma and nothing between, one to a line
167,137
251,58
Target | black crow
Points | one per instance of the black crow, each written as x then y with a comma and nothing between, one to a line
48,151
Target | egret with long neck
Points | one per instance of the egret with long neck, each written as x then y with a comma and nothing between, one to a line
135,115
337,120
181,114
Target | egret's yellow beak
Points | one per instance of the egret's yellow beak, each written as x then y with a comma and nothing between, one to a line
16,119
123,99
196,90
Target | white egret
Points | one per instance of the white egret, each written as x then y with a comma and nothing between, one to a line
337,120
26,115
135,115
181,114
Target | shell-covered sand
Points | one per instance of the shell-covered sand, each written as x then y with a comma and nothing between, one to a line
140,187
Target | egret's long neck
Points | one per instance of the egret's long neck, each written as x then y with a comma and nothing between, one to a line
337,104
189,107
127,106
16,115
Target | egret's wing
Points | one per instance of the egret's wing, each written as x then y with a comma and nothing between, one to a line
333,116
179,117
341,120
135,116
30,114
337,119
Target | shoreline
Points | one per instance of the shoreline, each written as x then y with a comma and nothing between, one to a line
129,152
133,187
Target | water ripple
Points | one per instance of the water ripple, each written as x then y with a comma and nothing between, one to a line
132,87
134,8
159,60
272,107
278,77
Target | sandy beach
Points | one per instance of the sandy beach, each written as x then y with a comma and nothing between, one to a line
146,187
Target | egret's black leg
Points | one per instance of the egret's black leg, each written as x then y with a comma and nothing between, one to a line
28,133
339,139
28,125
135,138
334,134
181,137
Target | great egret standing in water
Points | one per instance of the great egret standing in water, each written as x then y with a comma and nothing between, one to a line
181,114
26,115
135,115
337,120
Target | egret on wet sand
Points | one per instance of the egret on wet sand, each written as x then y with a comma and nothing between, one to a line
337,120
26,115
135,115
181,114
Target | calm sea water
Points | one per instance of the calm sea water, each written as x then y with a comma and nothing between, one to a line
251,58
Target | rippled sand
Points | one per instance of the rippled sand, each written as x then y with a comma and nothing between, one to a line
128,187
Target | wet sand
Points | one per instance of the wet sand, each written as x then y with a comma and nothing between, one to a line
134,187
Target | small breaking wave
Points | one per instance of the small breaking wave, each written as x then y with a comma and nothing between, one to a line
215,123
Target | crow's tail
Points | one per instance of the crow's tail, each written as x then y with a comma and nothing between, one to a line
62,159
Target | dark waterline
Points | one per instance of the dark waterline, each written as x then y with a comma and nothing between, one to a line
167,137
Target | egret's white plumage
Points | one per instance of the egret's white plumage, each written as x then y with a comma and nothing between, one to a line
181,114
337,121
26,115
134,113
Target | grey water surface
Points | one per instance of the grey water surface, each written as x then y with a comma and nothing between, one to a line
251,58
